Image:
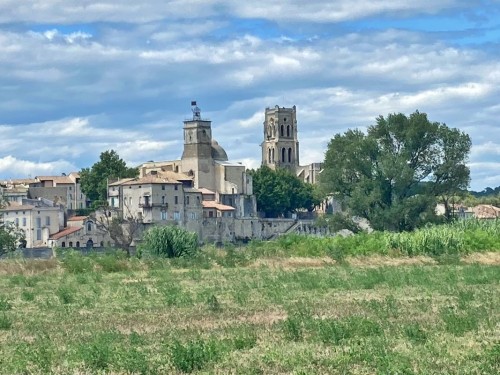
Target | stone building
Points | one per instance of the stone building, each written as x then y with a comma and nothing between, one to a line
280,147
37,218
202,191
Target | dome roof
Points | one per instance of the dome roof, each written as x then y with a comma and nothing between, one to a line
218,152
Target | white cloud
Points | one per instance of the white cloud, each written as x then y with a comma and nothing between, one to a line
13,167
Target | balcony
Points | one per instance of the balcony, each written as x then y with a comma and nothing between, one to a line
151,205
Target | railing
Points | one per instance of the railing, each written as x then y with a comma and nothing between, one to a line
151,205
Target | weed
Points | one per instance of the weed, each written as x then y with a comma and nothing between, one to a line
195,354
5,322
27,296
66,294
4,304
246,338
459,323
213,304
415,333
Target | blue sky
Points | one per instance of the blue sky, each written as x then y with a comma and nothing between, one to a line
79,77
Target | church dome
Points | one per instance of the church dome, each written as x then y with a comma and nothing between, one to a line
218,153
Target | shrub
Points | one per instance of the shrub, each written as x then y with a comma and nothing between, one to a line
74,262
194,354
169,242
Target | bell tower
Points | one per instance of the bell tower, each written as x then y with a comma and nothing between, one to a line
280,148
197,155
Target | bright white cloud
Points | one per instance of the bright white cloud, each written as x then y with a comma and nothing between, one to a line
119,75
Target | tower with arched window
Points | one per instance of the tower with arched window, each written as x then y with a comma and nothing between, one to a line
280,148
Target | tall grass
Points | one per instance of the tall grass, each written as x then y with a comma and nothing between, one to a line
458,238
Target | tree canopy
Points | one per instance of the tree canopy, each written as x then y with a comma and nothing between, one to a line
279,192
393,174
94,180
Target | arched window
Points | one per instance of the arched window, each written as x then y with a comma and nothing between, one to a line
288,131
77,243
290,155
282,130
272,154
269,156
283,152
63,244
70,244
89,226
102,243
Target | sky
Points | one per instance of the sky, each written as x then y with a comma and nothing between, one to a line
79,77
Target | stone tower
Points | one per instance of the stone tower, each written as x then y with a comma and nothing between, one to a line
197,155
280,148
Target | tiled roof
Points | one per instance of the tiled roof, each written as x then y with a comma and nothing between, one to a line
77,218
206,191
145,180
217,206
14,206
64,232
56,179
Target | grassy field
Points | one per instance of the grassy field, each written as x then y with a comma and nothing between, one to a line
273,315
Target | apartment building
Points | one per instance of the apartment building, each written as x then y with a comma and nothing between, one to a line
37,218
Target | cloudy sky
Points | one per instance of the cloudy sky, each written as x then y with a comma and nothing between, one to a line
78,77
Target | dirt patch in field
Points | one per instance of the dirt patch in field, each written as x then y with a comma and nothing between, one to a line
489,258
27,267
381,261
294,262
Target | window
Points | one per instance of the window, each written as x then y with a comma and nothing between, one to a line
269,156
283,154
70,244
162,187
89,227
272,153
176,187
24,221
163,200
81,205
187,200
47,220
210,214
290,155
177,215
17,221
38,222
176,199
77,243
38,234
63,244
193,215
164,215
282,131
288,131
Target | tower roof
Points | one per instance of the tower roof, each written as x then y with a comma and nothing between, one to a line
218,153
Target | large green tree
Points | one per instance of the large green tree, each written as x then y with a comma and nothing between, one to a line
393,174
94,180
279,192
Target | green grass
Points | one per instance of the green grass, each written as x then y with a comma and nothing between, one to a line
222,312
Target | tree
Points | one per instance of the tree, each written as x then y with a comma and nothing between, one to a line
278,192
94,180
10,235
393,175
122,228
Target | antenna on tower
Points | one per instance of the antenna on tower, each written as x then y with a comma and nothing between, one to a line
196,111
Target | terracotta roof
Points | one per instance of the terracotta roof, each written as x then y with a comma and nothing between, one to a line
56,179
121,182
14,206
64,232
145,180
217,206
77,218
206,191
19,181
486,211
